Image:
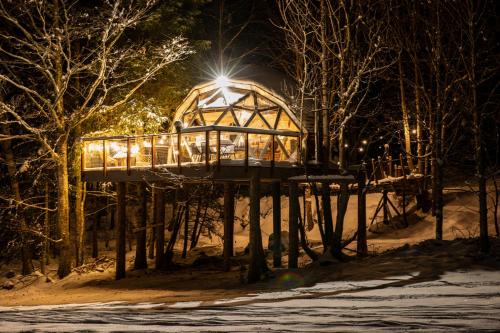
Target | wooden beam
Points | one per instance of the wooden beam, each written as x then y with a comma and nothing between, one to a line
121,227
228,223
293,226
276,190
362,247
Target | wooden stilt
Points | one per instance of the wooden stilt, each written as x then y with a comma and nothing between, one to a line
228,223
140,247
293,246
186,230
121,227
258,264
384,207
276,187
362,247
327,213
342,201
160,227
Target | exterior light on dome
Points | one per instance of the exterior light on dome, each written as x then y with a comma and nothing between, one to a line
222,81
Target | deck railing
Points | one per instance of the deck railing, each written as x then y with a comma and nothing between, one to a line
207,145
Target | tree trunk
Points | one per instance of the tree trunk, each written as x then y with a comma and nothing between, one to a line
324,88
44,255
258,264
141,261
79,203
63,209
406,120
152,230
26,263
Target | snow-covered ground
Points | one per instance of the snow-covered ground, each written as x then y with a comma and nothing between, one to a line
455,301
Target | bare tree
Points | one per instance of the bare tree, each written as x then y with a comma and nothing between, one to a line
38,41
481,66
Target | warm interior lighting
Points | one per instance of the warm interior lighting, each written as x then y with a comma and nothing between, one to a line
134,150
364,142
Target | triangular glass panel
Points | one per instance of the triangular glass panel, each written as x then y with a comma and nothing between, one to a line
257,122
188,118
242,116
285,123
227,120
211,116
196,120
216,100
264,102
270,116
247,102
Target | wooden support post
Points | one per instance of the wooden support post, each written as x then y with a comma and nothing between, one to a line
362,247
276,187
228,223
342,201
246,152
104,159
218,150
129,147
121,227
140,248
186,229
153,153
258,264
385,207
327,212
159,217
293,226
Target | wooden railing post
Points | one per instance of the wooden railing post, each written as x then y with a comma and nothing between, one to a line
273,147
207,150
179,154
153,153
246,152
218,150
104,162
128,156
82,156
